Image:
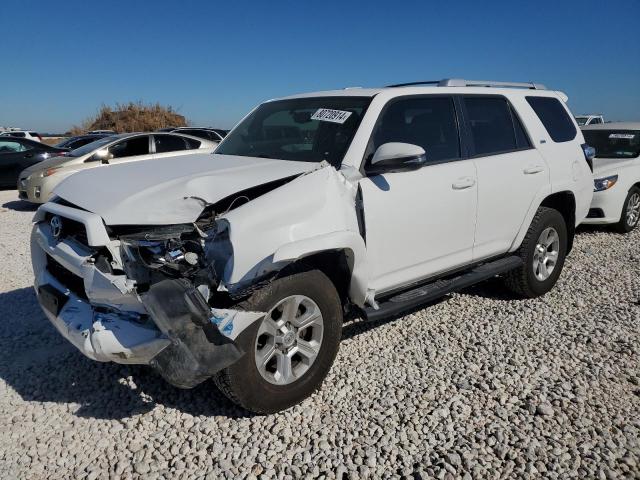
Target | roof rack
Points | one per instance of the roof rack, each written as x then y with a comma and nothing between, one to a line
459,82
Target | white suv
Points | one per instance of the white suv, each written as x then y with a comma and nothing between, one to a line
242,265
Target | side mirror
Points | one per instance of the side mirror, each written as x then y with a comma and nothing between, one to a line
397,157
103,155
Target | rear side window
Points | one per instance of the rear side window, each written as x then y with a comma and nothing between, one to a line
491,123
192,143
130,147
554,117
429,122
169,143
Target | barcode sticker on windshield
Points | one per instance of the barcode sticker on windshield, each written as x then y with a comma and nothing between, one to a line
626,136
328,115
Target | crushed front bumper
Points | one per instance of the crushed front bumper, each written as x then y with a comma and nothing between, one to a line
171,327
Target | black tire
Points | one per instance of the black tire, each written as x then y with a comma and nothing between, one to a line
624,226
243,384
523,281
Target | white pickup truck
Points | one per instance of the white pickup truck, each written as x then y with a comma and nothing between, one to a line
241,265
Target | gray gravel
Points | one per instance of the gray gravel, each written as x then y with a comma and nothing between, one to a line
478,385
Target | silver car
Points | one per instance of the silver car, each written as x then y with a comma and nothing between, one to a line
36,183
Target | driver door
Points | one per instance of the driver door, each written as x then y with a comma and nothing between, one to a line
419,223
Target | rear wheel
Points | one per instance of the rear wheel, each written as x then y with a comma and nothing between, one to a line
290,351
543,251
630,214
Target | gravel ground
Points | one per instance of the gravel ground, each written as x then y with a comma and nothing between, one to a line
478,385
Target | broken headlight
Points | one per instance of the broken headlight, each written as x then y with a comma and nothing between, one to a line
173,249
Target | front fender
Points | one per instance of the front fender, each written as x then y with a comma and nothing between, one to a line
348,241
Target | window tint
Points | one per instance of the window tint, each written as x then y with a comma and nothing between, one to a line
169,143
130,147
7,146
491,126
522,140
554,117
192,144
429,122
595,121
15,134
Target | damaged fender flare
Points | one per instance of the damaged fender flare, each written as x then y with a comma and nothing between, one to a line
345,240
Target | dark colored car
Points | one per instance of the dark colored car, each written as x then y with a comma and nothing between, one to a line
213,134
16,154
79,141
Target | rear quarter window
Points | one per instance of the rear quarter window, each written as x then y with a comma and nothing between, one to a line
554,117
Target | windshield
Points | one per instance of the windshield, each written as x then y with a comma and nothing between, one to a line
582,120
89,147
614,143
301,129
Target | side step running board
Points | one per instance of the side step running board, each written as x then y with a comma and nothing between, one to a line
411,299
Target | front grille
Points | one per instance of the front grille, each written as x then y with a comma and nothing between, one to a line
69,279
71,229
595,213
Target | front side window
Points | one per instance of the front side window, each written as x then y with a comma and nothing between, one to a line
169,143
302,129
614,143
130,147
7,146
554,117
491,125
429,122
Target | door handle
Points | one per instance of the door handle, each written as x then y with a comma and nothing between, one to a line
28,155
533,169
463,183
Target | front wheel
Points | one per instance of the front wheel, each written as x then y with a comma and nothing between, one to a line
630,211
543,251
290,351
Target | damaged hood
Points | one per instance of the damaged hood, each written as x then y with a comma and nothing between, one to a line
156,192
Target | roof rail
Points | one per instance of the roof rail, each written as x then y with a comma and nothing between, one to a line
459,82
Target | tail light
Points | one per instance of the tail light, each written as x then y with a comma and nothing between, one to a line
589,153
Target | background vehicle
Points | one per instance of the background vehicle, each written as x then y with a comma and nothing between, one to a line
366,201
99,132
213,134
36,183
16,154
22,134
594,119
616,172
80,140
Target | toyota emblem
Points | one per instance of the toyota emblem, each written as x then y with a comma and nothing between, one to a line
56,226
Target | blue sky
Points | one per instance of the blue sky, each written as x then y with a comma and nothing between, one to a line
213,61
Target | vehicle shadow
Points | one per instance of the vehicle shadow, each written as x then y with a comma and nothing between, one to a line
358,326
20,206
41,366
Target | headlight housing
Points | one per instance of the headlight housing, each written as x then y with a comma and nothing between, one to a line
605,183
173,249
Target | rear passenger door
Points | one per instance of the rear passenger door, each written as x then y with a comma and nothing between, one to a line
419,223
511,172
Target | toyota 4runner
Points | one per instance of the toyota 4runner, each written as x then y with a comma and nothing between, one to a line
241,265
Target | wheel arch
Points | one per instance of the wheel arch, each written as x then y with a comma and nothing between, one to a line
565,203
339,255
